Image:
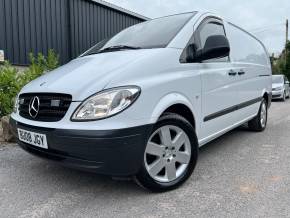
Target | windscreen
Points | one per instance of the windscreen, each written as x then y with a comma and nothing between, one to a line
277,79
155,33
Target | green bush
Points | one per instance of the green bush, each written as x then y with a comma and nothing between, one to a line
39,65
9,87
11,81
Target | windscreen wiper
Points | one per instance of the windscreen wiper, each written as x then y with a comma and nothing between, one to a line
118,48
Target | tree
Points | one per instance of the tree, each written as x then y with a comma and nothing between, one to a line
279,65
287,65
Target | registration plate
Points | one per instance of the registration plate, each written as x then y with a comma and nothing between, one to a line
33,138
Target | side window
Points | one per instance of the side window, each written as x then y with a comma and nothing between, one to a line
250,51
210,29
207,29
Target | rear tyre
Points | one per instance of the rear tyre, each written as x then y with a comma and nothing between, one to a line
170,155
259,123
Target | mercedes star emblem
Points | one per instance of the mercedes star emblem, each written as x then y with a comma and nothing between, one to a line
34,107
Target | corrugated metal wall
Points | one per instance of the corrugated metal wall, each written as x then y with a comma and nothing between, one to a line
92,22
68,26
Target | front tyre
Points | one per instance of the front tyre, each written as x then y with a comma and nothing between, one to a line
284,96
259,123
170,155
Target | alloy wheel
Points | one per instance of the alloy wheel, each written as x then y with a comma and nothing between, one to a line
263,116
167,154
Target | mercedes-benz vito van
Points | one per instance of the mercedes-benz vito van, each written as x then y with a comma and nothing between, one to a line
141,103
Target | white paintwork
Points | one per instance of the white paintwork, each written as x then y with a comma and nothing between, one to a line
204,88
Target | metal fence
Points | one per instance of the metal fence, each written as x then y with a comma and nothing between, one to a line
67,26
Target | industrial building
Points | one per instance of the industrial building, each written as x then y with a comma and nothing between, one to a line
68,26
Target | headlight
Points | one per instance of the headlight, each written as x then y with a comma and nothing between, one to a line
16,104
106,104
278,88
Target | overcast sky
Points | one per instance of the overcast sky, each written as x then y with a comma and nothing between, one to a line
265,18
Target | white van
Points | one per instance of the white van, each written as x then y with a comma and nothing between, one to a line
141,103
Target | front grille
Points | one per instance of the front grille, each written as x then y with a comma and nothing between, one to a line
276,96
52,106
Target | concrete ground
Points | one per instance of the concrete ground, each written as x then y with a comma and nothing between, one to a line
241,174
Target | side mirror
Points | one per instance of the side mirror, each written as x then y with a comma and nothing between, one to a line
216,46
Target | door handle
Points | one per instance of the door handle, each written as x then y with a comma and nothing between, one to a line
232,73
241,72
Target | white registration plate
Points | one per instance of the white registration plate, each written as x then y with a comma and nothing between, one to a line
33,138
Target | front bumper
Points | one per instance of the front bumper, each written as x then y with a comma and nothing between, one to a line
277,94
108,152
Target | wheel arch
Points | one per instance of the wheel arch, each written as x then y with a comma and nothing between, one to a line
268,97
175,103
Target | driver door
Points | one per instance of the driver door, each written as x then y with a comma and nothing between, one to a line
219,85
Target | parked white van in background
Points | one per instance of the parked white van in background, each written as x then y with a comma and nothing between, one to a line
141,103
